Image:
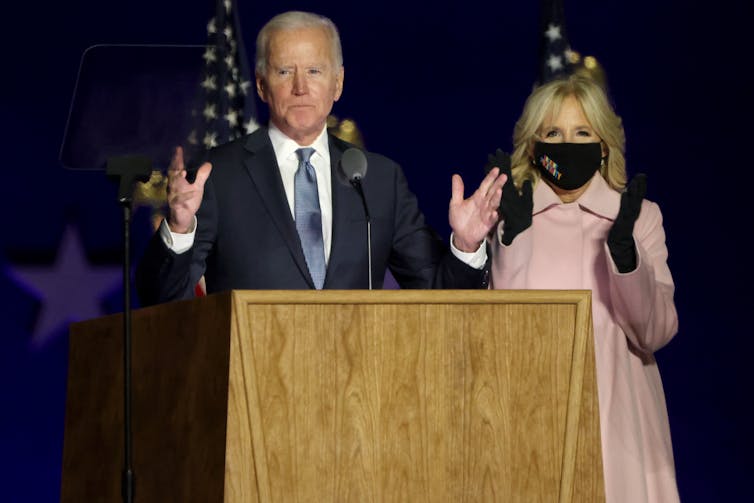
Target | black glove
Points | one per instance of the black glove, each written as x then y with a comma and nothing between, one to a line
620,239
515,208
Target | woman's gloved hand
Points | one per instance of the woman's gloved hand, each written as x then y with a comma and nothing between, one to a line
620,239
515,207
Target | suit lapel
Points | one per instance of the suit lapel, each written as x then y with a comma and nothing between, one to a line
340,208
262,166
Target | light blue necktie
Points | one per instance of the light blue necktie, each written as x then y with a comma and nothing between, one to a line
308,216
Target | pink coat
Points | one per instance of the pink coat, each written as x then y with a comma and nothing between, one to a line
634,316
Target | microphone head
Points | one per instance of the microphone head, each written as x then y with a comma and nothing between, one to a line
353,164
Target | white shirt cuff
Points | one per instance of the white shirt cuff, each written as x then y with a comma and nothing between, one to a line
177,243
475,259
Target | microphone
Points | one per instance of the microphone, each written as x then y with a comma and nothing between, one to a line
353,164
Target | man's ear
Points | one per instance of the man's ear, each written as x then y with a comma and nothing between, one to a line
261,88
339,83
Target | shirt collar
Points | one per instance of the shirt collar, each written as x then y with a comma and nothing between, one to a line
286,147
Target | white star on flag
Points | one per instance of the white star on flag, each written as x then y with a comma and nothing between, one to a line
232,118
224,104
209,112
230,90
555,62
210,140
209,83
554,48
553,32
251,125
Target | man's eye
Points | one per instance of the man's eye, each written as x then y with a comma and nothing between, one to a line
314,71
284,72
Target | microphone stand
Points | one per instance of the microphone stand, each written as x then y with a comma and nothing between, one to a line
126,171
356,182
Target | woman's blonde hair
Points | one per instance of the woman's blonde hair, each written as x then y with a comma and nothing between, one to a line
545,101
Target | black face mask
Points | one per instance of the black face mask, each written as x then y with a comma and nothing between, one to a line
568,165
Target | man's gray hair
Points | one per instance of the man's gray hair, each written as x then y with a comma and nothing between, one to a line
293,20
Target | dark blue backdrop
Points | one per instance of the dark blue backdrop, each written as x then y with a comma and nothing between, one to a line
436,88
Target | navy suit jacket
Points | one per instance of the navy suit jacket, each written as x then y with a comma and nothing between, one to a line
246,236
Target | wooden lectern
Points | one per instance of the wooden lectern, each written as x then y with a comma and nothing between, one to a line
341,396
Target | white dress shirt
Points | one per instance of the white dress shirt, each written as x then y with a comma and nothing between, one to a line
287,159
285,153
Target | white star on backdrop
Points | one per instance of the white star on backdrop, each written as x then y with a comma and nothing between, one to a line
70,289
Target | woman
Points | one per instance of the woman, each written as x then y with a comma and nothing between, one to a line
570,223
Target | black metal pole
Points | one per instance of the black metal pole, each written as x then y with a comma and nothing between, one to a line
356,182
127,481
127,170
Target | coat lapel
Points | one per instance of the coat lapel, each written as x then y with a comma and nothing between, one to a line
339,185
341,208
262,167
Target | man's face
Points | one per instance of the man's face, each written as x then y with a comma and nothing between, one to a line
301,82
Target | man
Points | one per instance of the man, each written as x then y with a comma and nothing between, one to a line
276,213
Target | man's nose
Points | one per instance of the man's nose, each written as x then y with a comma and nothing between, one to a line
299,83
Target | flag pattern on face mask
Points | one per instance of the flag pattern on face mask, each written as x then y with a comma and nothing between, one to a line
551,166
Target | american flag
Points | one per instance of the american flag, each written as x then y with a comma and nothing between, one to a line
555,53
228,110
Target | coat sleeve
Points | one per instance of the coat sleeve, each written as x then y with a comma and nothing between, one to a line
642,300
419,258
163,275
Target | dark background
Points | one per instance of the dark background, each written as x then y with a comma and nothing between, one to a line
436,88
